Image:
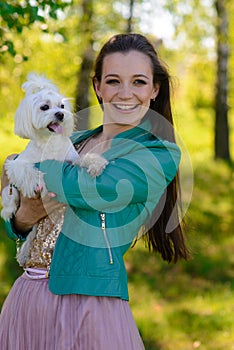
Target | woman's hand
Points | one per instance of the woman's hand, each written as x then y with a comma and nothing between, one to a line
32,210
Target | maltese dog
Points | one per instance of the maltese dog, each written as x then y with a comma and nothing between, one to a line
44,116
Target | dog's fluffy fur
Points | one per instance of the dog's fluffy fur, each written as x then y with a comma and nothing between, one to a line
44,116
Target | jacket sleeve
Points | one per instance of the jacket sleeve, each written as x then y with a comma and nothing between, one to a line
12,233
139,176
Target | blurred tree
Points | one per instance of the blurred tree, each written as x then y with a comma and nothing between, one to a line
203,27
130,18
221,105
16,15
91,26
82,99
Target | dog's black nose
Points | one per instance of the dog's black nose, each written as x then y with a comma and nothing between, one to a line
59,116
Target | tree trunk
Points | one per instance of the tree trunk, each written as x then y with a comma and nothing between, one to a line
82,100
130,18
221,106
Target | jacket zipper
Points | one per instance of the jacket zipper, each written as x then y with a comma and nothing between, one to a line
103,219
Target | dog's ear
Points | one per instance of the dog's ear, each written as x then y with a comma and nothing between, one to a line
36,83
23,119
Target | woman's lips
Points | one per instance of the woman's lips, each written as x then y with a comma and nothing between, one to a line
125,107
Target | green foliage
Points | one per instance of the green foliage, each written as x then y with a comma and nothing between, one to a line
184,306
16,15
9,270
194,22
188,305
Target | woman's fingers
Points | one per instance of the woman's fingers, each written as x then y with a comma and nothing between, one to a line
49,204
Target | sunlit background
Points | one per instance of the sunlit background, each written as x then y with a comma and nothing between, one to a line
184,306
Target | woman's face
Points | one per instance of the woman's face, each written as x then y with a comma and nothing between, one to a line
126,87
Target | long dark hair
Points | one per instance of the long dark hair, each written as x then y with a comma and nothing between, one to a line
171,245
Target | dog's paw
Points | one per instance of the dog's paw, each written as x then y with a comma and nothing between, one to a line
7,213
26,177
32,188
94,163
10,202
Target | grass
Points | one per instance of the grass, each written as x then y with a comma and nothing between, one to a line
189,305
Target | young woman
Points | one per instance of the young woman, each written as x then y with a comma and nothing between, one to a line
73,293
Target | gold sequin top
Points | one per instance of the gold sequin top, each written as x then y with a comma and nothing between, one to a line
42,245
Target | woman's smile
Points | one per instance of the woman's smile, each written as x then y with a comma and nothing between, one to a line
125,107
126,87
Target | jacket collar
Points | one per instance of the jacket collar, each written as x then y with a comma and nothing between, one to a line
139,130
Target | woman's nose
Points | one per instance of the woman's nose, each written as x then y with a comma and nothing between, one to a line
125,91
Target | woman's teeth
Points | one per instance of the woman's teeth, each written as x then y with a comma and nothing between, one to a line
125,107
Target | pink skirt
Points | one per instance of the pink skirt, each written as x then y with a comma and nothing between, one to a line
33,318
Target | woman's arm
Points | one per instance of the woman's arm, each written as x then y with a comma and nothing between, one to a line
139,176
30,211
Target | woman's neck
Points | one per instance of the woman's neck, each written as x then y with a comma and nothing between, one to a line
100,142
111,130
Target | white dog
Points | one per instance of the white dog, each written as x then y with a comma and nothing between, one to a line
44,116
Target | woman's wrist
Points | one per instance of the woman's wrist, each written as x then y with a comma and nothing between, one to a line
21,223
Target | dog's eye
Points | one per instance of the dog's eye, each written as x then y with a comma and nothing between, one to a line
44,107
62,106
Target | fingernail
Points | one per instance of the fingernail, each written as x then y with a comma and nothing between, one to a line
51,194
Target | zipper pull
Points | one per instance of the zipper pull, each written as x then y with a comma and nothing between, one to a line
103,221
103,217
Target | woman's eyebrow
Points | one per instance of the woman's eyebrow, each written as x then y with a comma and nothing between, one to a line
140,75
111,75
135,75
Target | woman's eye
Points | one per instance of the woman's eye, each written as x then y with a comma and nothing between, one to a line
62,106
44,107
139,82
112,81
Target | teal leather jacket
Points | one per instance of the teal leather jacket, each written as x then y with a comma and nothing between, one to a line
105,214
